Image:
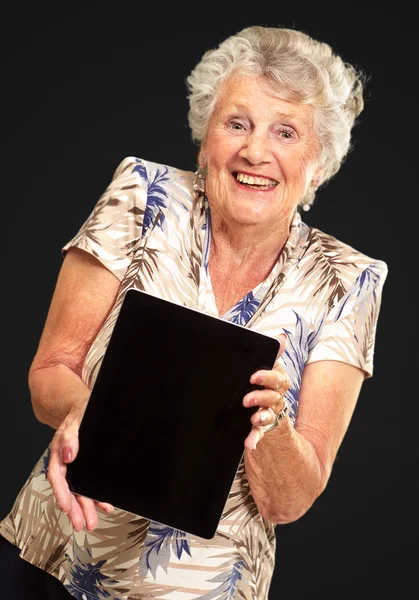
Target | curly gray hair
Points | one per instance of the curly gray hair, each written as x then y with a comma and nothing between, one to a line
298,68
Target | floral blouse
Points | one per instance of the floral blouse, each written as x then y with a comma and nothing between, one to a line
150,231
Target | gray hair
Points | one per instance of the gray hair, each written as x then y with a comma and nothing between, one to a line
296,66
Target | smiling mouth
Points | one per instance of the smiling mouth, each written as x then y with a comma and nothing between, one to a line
255,183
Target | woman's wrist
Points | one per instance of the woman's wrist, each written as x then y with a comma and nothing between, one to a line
279,416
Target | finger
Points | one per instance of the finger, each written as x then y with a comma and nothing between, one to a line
56,477
263,417
62,493
275,379
265,398
88,508
282,341
69,442
64,448
252,440
108,508
75,514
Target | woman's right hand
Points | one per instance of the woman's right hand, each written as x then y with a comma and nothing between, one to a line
63,450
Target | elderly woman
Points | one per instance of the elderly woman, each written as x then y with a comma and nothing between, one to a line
272,111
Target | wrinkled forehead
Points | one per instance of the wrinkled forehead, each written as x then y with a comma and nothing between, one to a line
269,84
242,91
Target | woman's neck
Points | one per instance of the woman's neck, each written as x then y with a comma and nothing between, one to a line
247,247
240,259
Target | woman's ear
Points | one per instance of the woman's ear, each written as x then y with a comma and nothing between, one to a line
318,176
202,159
202,156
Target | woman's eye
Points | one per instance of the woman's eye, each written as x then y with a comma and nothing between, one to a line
236,125
287,134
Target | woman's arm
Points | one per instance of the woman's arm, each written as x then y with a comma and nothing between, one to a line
83,297
84,294
291,466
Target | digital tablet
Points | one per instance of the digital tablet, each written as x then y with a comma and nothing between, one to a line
163,432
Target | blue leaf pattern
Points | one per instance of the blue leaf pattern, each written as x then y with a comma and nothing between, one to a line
85,575
140,169
44,462
297,348
160,541
242,312
181,543
157,198
367,281
229,581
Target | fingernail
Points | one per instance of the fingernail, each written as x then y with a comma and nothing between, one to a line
250,402
67,454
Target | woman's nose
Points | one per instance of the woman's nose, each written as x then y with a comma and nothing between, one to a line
256,148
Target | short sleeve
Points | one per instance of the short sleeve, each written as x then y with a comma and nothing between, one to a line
116,223
348,333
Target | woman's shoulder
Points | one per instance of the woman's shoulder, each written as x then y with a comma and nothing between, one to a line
153,172
341,258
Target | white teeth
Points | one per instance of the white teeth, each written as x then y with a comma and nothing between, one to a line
255,180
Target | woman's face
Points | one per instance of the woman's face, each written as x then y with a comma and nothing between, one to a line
253,134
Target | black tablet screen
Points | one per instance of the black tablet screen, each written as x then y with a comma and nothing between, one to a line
163,432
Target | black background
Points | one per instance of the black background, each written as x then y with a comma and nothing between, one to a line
85,88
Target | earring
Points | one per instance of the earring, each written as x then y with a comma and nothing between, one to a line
308,199
199,181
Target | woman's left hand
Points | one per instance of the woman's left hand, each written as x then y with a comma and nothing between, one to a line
271,399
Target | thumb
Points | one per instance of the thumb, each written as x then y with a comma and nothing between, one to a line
70,442
282,341
69,453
